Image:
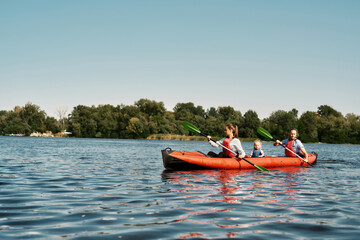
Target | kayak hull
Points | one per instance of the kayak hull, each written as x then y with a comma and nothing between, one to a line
191,160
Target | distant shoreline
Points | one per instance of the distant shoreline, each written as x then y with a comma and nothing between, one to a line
148,119
200,138
171,137
188,138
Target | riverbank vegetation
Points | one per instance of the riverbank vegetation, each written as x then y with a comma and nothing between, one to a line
148,119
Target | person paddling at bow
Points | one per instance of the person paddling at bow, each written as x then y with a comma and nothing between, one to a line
294,144
231,141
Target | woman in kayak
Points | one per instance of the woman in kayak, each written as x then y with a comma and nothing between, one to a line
231,141
294,145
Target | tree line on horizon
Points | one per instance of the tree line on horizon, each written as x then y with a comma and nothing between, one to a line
148,117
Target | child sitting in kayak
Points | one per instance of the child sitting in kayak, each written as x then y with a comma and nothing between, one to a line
257,151
231,141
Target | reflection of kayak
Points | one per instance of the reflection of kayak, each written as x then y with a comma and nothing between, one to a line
181,160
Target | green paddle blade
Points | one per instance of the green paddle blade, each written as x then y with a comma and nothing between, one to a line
264,133
261,168
191,128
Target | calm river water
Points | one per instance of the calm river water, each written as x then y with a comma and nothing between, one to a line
66,188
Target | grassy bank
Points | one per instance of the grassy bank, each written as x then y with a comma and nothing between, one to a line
187,138
175,137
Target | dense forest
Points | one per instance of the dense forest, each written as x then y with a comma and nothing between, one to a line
147,117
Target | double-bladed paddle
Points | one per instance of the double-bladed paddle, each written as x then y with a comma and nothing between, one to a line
266,134
194,129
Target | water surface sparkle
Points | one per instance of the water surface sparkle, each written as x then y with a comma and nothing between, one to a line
118,189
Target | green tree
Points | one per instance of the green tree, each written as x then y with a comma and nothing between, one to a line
212,112
151,108
332,127
251,123
280,123
229,115
106,119
153,114
15,124
353,122
53,125
308,126
125,114
327,111
82,121
75,128
171,125
27,119
165,124
186,111
130,111
214,126
137,127
191,113
3,117
34,117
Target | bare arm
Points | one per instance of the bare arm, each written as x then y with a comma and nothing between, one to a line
305,153
262,154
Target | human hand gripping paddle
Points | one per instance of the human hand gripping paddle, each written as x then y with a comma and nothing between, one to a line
266,134
194,129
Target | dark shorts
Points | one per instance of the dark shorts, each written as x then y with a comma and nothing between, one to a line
218,155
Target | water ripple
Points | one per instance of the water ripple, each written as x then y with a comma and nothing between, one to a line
118,189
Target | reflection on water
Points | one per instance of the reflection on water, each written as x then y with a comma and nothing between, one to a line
235,187
118,189
283,201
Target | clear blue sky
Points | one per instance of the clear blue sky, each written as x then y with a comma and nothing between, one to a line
258,55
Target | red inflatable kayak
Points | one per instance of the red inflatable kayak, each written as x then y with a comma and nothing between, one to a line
186,160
